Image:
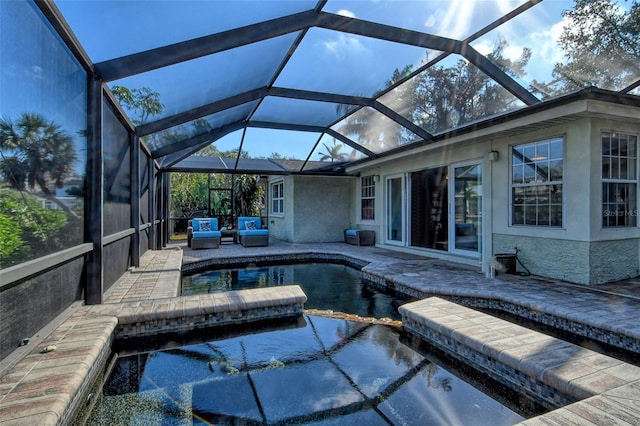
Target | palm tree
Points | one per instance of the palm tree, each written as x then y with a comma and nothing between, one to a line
42,154
247,195
333,152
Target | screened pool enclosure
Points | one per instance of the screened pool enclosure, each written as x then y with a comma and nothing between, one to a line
101,100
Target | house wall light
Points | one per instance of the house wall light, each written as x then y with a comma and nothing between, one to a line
493,156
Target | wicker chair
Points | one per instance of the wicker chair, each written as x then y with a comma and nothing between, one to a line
251,233
203,233
359,237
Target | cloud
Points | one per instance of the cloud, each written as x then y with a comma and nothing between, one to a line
547,41
344,45
347,13
484,47
453,21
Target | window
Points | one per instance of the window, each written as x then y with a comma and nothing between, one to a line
367,198
277,198
619,180
536,183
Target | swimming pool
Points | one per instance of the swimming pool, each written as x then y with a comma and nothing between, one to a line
317,371
328,286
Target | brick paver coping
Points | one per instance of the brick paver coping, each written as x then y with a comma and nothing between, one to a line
555,372
51,384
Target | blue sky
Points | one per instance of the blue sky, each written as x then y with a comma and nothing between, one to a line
326,60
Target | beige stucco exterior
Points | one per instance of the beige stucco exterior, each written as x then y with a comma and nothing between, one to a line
316,208
581,251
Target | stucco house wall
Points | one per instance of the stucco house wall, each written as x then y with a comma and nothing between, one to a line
281,225
316,208
580,251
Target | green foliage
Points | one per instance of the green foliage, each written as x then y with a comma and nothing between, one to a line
333,153
212,151
248,195
440,98
447,97
30,231
9,237
144,102
601,46
42,155
189,193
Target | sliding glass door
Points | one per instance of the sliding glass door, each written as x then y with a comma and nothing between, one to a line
429,216
466,217
395,210
445,208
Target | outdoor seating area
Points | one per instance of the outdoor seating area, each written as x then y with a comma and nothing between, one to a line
359,237
203,233
251,233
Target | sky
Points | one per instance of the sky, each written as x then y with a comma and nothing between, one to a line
325,60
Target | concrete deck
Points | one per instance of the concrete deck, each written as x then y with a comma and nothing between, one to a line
42,382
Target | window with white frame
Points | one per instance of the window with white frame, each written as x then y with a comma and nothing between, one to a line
277,198
619,180
367,198
536,183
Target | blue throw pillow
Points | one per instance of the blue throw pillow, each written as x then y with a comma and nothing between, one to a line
250,225
205,225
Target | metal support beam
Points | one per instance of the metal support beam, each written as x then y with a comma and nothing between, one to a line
203,111
320,96
351,143
57,21
148,60
345,24
198,141
135,200
166,208
95,194
383,109
152,203
245,97
428,41
498,75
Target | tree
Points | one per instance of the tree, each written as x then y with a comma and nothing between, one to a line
601,46
9,237
447,97
333,152
29,231
247,195
42,155
189,193
144,101
440,98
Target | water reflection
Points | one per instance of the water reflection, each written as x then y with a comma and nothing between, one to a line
327,286
327,371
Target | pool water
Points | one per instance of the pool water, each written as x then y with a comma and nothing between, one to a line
328,286
318,371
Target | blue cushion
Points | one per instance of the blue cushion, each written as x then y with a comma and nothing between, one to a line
242,225
212,221
352,232
205,234
254,232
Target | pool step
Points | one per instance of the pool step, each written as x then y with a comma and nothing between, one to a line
51,385
554,372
